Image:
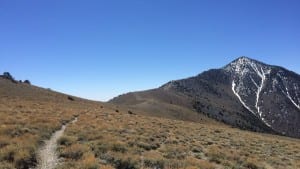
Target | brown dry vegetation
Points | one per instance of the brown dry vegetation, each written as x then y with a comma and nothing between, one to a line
124,140
29,115
109,139
24,126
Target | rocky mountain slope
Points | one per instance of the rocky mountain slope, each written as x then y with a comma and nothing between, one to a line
245,93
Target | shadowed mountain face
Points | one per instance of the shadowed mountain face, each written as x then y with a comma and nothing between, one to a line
245,93
269,92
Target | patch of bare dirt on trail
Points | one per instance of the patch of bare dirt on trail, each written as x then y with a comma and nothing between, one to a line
47,154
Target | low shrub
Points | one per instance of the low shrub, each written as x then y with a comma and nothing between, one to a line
215,154
71,98
25,158
6,165
251,164
119,147
127,163
154,163
7,153
4,141
75,151
89,162
66,140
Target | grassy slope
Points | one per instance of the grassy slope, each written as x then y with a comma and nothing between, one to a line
109,136
161,103
29,115
110,139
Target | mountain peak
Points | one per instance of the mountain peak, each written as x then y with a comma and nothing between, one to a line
243,64
244,60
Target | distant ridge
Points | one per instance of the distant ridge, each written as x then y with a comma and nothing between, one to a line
245,93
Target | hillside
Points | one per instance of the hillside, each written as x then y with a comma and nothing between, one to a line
245,93
108,136
29,115
161,103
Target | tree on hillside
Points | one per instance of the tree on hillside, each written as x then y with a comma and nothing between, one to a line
27,82
8,76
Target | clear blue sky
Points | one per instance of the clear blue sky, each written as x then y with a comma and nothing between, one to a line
99,49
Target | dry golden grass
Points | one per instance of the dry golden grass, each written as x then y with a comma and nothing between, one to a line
25,124
29,115
125,140
105,138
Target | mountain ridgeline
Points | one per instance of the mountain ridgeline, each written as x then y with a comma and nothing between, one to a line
245,93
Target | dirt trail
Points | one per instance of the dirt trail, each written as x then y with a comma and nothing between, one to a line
47,155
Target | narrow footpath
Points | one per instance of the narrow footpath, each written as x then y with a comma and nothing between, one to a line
47,154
